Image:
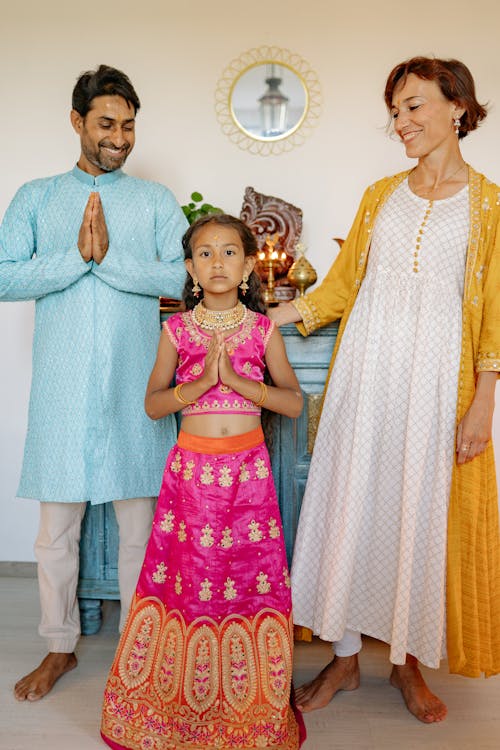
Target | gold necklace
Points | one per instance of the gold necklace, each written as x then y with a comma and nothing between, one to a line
427,190
219,320
419,235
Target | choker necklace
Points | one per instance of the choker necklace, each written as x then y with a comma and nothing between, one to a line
219,320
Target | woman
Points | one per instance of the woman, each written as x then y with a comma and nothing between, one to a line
398,535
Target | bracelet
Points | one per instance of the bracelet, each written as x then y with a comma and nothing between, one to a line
263,394
178,395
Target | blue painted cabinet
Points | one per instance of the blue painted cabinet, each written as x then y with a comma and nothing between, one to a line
293,442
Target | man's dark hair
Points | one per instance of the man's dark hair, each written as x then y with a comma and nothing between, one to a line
105,81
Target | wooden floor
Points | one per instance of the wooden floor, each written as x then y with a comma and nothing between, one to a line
371,718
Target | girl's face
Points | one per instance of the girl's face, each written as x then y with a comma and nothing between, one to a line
423,117
219,260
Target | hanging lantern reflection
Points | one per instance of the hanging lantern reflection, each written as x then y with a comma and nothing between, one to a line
273,106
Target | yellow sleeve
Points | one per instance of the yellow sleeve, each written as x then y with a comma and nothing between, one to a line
488,358
328,301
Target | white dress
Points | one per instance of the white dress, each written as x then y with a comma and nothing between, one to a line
370,552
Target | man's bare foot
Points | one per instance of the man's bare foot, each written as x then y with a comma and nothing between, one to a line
38,683
341,674
419,700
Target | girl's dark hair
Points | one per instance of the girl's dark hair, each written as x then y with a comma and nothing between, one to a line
453,78
253,298
105,81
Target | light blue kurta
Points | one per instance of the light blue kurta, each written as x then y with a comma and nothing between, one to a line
96,332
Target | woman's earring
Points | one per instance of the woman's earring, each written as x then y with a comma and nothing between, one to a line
456,123
196,287
244,285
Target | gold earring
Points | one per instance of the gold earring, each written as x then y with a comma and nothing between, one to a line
244,285
456,123
196,287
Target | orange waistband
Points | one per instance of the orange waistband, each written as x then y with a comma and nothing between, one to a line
233,444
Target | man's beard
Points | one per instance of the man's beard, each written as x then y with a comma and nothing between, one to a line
103,161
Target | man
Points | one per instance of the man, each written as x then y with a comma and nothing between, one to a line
95,248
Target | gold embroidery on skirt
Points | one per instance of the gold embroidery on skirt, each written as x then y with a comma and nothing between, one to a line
205,594
239,670
274,531
229,589
244,473
167,523
188,471
159,576
207,475
263,586
273,642
136,659
202,676
175,466
211,685
207,536
255,534
262,470
167,674
227,538
178,583
225,478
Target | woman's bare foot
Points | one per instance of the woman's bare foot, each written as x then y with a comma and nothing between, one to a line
38,683
419,700
341,674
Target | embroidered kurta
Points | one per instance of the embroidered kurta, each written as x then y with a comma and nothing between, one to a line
473,560
96,332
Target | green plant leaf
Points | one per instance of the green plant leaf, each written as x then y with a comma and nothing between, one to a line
197,197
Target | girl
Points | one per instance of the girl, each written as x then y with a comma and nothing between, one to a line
205,660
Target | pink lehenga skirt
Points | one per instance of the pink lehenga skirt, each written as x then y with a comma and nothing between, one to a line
205,660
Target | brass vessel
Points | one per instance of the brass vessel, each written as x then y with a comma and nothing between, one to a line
301,274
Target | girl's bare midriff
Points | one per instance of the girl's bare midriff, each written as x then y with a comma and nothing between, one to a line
220,425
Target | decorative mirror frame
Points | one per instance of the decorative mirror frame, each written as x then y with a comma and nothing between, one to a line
230,77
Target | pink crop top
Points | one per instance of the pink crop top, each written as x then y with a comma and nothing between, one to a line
246,349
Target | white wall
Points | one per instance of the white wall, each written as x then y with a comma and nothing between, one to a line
174,53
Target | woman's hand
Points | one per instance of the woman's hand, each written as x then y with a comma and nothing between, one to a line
474,430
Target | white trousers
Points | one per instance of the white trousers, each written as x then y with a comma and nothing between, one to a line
57,552
349,644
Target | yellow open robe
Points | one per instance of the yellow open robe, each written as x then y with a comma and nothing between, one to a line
473,554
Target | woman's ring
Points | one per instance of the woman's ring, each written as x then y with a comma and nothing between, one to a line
466,446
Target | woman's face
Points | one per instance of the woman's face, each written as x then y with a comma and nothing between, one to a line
423,117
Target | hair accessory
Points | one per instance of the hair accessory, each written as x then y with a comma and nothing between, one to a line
244,285
196,287
178,395
456,123
263,394
219,320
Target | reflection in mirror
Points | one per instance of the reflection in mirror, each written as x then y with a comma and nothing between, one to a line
268,101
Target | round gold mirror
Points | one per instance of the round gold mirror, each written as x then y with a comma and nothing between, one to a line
267,100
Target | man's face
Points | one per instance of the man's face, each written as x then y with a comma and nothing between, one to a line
107,134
